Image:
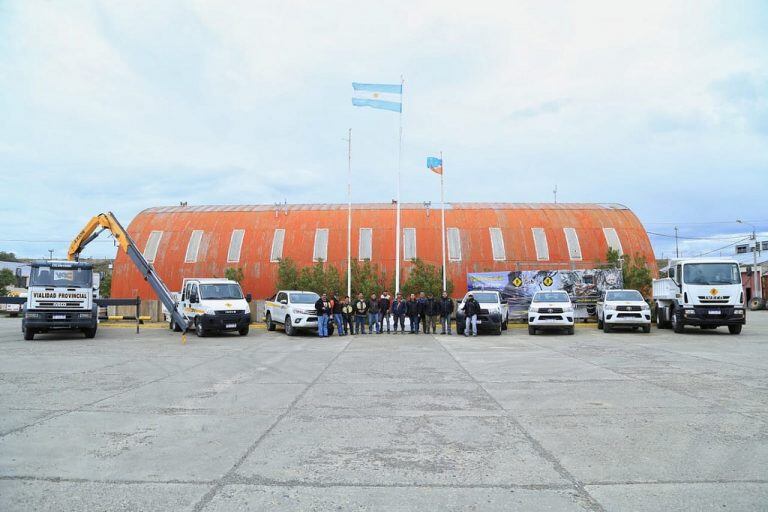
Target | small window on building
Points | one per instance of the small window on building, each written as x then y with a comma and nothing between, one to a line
409,243
277,245
764,246
742,249
235,244
454,244
321,245
540,241
612,238
193,246
150,250
497,245
365,245
574,248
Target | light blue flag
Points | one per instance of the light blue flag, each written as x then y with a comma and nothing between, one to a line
383,96
435,164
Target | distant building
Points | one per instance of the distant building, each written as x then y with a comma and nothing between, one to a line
201,241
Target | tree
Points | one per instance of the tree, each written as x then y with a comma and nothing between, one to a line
7,278
634,270
7,256
287,275
234,274
426,278
367,278
105,286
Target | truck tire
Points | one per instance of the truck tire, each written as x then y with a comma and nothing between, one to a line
270,323
199,329
498,330
90,333
531,330
243,331
600,323
735,329
505,325
289,330
606,327
29,334
570,330
677,321
756,304
647,328
661,320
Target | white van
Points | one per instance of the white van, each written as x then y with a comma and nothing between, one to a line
214,305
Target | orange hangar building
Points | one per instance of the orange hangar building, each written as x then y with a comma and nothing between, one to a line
203,241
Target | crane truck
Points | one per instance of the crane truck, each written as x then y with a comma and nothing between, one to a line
61,294
704,292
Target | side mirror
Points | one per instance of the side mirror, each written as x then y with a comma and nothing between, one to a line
248,297
671,273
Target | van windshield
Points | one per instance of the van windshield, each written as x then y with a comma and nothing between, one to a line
220,291
69,277
711,273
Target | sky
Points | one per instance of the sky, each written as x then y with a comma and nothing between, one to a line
658,105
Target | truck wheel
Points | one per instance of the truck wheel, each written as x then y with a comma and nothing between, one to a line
570,330
677,321
289,330
505,325
660,314
647,328
29,334
199,329
270,323
735,329
497,332
174,326
600,323
756,304
90,333
243,331
606,327
531,330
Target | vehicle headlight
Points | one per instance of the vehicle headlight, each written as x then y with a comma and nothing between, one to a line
645,307
738,311
84,315
610,307
533,309
568,309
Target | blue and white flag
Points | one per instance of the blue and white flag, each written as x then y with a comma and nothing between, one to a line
383,96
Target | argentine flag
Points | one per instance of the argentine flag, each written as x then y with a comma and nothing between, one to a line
383,96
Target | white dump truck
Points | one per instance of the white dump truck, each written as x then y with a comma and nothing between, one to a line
704,292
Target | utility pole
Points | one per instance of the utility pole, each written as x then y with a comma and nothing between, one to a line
677,251
349,213
50,254
555,193
756,291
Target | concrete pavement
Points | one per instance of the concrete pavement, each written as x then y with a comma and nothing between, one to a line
620,421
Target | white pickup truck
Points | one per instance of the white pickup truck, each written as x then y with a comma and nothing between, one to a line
293,309
700,291
623,308
494,312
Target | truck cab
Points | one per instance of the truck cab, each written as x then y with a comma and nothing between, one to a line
704,292
60,297
214,305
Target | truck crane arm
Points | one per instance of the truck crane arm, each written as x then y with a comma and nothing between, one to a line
107,221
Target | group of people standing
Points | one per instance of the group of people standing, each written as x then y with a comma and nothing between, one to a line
378,311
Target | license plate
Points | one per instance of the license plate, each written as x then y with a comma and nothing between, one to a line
714,312
59,317
230,326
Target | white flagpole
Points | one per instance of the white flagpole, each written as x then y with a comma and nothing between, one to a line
349,213
442,201
399,162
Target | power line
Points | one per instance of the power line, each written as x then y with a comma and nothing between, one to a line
724,247
703,223
693,237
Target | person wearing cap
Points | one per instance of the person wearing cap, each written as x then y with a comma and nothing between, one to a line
471,309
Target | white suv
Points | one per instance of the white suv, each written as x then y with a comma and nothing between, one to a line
625,308
550,310
294,309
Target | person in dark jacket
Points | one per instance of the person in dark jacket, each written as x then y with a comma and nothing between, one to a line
324,311
373,314
433,313
348,316
385,303
471,309
446,310
399,311
338,316
361,313
421,310
413,313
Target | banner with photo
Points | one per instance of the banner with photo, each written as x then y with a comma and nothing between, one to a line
518,287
